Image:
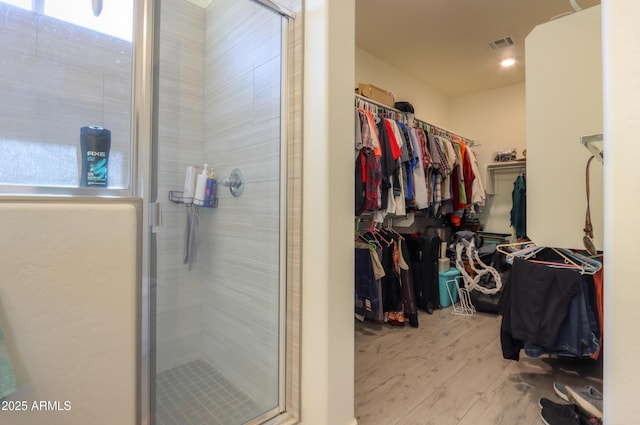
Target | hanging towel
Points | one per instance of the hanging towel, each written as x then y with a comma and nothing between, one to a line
7,379
191,237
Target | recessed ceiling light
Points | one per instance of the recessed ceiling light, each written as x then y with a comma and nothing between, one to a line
508,62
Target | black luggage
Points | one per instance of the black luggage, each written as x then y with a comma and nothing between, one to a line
423,253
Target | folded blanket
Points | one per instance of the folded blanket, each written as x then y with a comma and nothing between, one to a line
7,379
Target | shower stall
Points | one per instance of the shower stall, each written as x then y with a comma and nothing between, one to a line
178,83
217,327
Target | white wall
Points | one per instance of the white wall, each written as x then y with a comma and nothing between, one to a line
430,105
327,251
622,198
496,120
68,297
564,102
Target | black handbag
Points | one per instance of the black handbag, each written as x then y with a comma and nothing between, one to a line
491,303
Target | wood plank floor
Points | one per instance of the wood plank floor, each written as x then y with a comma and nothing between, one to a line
450,371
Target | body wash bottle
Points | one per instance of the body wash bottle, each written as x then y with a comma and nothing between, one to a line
189,185
210,191
95,143
201,185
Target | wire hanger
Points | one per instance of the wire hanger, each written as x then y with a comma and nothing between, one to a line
589,264
525,250
570,259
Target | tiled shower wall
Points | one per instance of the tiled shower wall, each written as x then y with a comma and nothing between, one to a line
242,106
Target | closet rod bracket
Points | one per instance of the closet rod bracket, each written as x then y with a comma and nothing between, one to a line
593,143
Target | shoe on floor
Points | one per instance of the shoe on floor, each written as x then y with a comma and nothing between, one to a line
564,414
587,398
551,415
561,390
545,403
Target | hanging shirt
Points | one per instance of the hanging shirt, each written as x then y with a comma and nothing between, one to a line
438,155
459,202
396,178
427,162
411,161
358,135
467,171
424,148
388,165
437,190
369,132
394,143
371,173
478,194
421,183
451,159
519,207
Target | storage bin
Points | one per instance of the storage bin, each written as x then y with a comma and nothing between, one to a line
448,279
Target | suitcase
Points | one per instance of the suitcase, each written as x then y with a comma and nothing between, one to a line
423,252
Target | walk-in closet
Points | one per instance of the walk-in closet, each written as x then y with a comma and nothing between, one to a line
478,213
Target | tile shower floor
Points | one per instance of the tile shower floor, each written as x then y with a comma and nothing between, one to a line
196,394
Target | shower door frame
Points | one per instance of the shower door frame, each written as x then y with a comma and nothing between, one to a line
145,127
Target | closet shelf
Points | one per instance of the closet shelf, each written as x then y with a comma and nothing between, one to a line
177,197
492,168
507,165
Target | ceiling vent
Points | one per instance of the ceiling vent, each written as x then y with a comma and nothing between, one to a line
501,43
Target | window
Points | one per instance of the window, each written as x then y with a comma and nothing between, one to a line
25,4
63,69
115,17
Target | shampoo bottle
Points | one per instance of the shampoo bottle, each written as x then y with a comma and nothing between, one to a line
210,191
189,185
201,185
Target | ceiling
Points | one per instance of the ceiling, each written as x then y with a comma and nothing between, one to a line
445,43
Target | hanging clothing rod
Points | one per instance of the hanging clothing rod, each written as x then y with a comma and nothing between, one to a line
420,123
443,131
381,105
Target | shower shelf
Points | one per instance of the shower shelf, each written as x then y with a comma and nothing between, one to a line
176,197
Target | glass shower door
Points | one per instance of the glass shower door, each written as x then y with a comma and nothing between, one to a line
218,275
